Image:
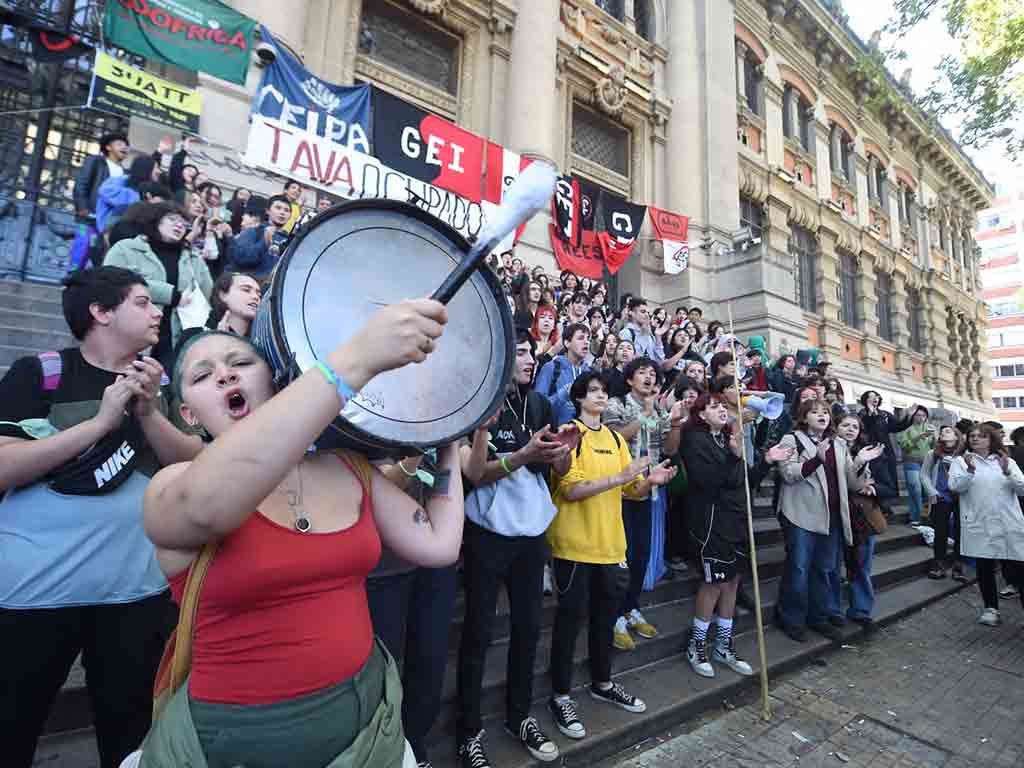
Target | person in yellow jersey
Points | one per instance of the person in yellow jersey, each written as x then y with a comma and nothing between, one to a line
588,546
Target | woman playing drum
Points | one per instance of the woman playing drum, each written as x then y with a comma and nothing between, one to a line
285,669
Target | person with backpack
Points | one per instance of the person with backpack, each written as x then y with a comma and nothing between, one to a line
508,510
638,331
588,545
557,376
81,432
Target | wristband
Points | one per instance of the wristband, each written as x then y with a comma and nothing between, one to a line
504,465
345,392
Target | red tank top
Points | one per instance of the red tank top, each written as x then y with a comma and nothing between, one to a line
282,613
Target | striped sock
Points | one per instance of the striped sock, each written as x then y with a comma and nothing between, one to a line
723,635
700,630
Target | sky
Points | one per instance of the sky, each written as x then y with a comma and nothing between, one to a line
925,47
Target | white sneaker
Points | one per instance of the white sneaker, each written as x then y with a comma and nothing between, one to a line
696,654
990,618
549,583
1008,591
728,657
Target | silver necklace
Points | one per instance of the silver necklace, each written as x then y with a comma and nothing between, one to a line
302,523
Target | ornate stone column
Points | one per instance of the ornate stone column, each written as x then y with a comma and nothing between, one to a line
892,207
821,152
861,168
872,178
835,142
497,127
741,80
531,112
332,30
773,123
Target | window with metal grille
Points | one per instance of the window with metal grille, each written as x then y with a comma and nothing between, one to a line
751,215
848,311
883,304
600,141
914,319
805,253
402,40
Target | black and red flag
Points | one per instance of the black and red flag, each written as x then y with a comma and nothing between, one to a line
621,227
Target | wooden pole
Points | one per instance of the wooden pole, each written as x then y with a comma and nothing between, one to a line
766,711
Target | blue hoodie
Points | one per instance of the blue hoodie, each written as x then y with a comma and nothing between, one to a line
554,381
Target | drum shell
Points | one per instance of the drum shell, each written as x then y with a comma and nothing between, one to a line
388,419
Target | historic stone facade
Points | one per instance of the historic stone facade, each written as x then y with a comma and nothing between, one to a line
824,211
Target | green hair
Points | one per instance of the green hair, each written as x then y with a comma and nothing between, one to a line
187,343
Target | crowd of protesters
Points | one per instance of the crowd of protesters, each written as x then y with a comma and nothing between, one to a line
618,459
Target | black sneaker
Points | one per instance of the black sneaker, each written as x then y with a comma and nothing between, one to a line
617,695
472,754
537,744
566,719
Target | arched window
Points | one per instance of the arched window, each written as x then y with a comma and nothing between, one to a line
840,152
848,294
914,319
878,181
797,117
749,77
805,254
883,304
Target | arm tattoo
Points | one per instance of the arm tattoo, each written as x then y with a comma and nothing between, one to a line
420,516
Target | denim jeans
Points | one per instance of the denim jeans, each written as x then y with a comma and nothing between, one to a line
861,589
805,596
915,504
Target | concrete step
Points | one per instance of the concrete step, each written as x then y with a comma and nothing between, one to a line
673,619
35,290
27,303
674,694
669,607
40,340
32,321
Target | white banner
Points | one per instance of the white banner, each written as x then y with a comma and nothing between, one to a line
323,164
677,256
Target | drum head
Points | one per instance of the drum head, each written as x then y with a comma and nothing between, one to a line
364,255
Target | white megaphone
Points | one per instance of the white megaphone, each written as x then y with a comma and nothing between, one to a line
768,404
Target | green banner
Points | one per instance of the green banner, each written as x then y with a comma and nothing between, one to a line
201,35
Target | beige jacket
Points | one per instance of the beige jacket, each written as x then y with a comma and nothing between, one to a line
804,500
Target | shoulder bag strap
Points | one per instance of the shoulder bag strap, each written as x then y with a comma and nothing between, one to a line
182,664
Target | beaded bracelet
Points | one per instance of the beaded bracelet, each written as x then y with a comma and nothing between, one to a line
345,392
504,465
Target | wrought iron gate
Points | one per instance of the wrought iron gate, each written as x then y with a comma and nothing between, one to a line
45,136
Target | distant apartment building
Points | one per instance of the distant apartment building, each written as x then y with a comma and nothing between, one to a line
1001,238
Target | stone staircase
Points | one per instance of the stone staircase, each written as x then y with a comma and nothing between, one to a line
656,671
31,321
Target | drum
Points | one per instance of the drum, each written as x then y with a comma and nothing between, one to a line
350,261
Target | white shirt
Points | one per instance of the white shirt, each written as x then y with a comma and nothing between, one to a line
115,168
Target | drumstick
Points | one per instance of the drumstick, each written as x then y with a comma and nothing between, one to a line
528,194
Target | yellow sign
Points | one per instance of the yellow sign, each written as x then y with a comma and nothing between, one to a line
123,89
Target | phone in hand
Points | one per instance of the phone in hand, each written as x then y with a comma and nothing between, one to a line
569,437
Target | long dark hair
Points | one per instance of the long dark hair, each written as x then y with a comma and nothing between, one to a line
140,171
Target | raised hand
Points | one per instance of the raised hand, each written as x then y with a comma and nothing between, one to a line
969,461
662,473
633,469
1004,462
868,455
778,453
397,335
542,447
112,407
144,382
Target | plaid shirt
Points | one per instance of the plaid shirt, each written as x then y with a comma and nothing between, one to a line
653,429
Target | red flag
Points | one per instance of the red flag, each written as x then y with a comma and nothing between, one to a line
622,222
669,226
585,259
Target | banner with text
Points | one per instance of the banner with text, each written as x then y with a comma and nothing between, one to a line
673,231
199,35
427,147
297,99
318,162
124,90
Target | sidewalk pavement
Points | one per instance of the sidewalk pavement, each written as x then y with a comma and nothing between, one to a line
935,690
